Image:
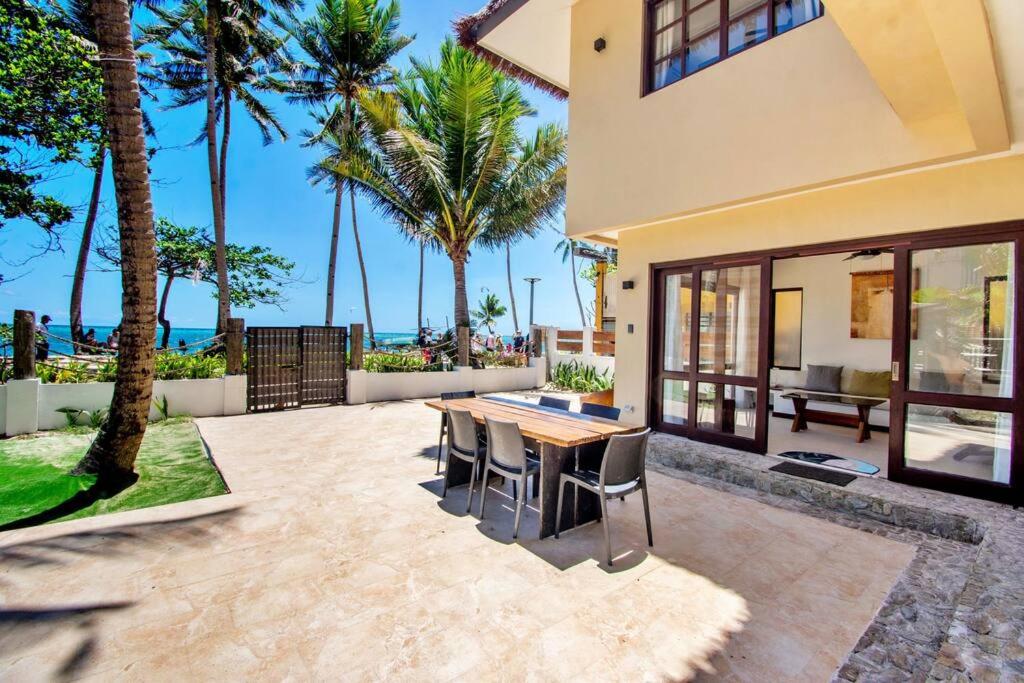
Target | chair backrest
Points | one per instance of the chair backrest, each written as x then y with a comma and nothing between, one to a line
559,403
452,395
598,410
462,430
505,443
624,458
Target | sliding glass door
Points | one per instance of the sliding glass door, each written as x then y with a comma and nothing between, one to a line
711,352
956,395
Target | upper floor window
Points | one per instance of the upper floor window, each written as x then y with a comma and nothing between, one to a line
688,35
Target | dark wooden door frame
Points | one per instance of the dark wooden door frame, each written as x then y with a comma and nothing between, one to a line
901,243
693,376
902,395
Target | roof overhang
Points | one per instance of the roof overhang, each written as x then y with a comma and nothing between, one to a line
529,39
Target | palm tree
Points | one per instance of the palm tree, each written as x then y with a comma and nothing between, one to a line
443,157
112,453
489,309
511,290
568,248
249,57
348,45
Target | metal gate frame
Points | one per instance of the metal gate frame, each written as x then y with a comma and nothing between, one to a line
289,367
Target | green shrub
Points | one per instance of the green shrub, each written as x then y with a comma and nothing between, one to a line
583,379
382,361
494,359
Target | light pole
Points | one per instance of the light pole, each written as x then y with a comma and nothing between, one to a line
532,281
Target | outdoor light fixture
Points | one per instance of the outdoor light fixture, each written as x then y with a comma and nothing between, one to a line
627,284
600,44
533,281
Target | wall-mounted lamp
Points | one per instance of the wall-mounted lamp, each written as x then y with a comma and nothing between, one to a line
627,284
600,44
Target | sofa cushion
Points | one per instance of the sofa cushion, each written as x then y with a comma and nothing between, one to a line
874,384
824,378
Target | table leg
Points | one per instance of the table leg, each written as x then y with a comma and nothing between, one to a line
799,414
863,426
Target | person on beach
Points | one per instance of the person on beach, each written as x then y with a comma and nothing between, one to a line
182,346
114,338
42,338
518,342
89,340
489,341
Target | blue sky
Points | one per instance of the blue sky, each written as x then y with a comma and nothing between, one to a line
270,202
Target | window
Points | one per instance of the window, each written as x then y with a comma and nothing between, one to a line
787,328
689,35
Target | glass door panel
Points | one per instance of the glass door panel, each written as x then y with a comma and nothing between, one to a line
730,318
953,401
678,318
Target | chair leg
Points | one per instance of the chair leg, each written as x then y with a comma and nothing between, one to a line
483,490
515,489
536,484
444,493
558,515
472,485
520,504
440,440
647,514
607,531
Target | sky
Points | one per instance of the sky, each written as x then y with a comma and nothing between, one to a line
271,203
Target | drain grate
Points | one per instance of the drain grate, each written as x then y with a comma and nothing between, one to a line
815,473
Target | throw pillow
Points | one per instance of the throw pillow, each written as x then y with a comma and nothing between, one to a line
875,384
824,378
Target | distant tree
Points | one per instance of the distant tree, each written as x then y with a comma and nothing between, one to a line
51,110
186,252
489,309
567,247
217,52
348,46
444,157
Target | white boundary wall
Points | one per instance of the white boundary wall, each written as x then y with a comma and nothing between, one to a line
27,405
371,387
588,357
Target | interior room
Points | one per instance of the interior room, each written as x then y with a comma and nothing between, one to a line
832,335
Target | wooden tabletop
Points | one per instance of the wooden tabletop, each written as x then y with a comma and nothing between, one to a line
556,427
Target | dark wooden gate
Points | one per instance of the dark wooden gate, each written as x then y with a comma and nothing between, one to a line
293,366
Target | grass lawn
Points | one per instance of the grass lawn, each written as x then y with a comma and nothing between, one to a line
172,467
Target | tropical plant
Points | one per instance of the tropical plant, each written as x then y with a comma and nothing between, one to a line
381,361
567,247
51,111
166,366
93,418
583,379
348,47
489,309
163,407
188,252
73,372
444,158
111,456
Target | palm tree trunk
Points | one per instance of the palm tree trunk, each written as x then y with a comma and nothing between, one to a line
362,267
461,301
419,298
78,285
225,136
332,263
576,289
216,197
112,454
511,291
161,314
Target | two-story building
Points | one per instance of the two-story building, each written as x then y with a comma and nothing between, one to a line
819,212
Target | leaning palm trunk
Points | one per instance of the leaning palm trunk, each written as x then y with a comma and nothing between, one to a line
362,269
419,298
461,300
216,197
112,454
332,263
576,289
225,137
511,291
84,247
161,314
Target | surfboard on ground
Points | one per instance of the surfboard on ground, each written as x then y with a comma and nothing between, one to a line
828,460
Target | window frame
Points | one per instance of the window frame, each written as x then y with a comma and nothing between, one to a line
650,35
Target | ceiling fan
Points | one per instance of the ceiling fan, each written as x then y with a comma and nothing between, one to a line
868,253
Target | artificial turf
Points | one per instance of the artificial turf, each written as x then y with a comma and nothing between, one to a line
172,467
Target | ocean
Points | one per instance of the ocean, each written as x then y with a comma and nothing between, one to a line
196,334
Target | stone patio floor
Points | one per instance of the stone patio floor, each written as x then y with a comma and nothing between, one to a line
335,558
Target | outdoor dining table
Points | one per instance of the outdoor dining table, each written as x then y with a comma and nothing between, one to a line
559,436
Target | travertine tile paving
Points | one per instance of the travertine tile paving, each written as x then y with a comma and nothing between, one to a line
334,558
